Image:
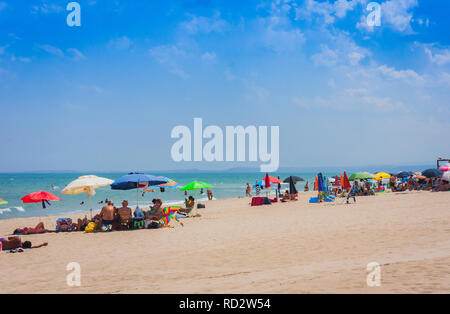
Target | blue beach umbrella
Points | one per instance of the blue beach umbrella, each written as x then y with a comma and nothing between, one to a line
136,180
321,185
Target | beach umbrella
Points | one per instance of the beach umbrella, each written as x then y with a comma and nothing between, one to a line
40,197
292,188
267,181
316,184
404,174
272,179
419,176
294,178
136,180
445,168
336,182
361,176
432,173
3,202
170,183
346,184
446,176
196,185
260,183
320,185
342,179
86,184
382,175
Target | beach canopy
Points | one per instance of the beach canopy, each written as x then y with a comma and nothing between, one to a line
135,180
361,176
86,184
337,181
196,185
445,168
432,173
295,179
382,175
2,201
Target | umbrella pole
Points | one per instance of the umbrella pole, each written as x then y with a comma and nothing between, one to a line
90,204
40,213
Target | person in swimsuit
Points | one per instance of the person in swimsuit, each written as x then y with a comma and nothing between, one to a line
36,230
108,214
248,191
156,212
15,242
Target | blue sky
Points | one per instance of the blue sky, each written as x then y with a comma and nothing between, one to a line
106,95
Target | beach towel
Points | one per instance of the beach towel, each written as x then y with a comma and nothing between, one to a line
68,221
257,201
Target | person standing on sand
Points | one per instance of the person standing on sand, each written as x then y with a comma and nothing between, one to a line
248,191
258,189
306,189
210,195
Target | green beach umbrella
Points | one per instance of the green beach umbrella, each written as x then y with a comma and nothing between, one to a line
3,202
361,176
196,185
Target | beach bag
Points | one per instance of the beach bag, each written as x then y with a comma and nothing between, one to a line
90,227
201,206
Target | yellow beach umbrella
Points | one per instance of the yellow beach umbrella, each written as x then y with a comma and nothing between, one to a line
86,184
382,175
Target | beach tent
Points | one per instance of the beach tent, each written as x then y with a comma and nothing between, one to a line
86,184
136,180
40,197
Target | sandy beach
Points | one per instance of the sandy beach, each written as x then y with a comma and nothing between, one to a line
293,247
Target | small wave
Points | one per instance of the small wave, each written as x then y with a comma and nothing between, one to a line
5,210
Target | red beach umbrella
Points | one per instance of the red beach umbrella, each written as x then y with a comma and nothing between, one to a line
347,185
445,168
272,179
336,181
40,197
267,181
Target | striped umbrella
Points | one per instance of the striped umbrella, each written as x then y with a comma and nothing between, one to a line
170,183
3,202
445,168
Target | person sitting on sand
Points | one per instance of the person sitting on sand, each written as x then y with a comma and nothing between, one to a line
190,203
124,215
156,212
36,230
80,225
286,197
13,243
107,214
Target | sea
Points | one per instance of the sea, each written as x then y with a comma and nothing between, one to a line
13,186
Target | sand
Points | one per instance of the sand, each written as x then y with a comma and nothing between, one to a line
292,247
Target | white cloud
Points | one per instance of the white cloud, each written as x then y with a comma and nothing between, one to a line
170,55
121,43
201,24
46,8
409,76
209,57
77,55
326,57
20,59
396,13
326,11
52,50
438,56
